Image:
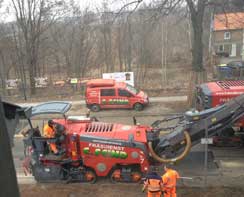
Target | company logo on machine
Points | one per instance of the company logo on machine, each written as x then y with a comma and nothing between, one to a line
105,150
224,100
115,101
118,101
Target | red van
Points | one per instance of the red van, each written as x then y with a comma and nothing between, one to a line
109,94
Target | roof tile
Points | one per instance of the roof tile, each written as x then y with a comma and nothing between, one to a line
229,21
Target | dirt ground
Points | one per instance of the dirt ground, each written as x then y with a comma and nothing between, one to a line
119,190
178,76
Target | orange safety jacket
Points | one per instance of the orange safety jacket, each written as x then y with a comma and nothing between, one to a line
48,131
170,178
153,185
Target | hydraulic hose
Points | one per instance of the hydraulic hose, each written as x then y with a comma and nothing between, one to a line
172,160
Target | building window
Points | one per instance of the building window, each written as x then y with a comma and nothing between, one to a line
227,35
221,48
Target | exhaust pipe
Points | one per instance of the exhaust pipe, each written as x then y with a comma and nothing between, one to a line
172,160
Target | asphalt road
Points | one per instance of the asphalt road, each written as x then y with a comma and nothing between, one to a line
223,164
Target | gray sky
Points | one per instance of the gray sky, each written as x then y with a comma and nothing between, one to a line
114,5
95,5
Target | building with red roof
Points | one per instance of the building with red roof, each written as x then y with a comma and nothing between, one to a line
228,36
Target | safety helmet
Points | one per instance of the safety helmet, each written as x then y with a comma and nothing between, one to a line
169,166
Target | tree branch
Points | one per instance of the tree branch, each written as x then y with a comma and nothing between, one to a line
126,5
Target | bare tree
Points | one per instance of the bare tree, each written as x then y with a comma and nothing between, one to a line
197,14
63,36
119,46
74,40
6,52
34,17
106,30
87,40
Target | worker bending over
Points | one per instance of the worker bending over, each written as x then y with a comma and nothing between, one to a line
169,181
154,185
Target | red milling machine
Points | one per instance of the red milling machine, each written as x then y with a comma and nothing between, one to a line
123,153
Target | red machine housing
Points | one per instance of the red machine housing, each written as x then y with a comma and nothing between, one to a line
217,93
103,146
88,149
109,94
213,94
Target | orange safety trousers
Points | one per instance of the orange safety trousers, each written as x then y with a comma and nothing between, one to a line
170,192
53,147
154,194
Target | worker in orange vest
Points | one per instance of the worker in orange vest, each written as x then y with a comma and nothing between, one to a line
154,185
169,181
49,132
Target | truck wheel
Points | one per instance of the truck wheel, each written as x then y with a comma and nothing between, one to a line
138,107
95,108
90,176
136,177
115,176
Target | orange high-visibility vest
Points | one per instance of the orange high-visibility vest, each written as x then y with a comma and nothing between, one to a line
48,131
154,185
170,178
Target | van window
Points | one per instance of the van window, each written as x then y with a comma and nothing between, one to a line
107,92
124,93
132,89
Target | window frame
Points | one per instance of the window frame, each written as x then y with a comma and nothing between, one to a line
108,89
223,48
227,37
125,90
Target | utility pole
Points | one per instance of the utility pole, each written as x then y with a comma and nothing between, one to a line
164,51
210,50
8,180
206,155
